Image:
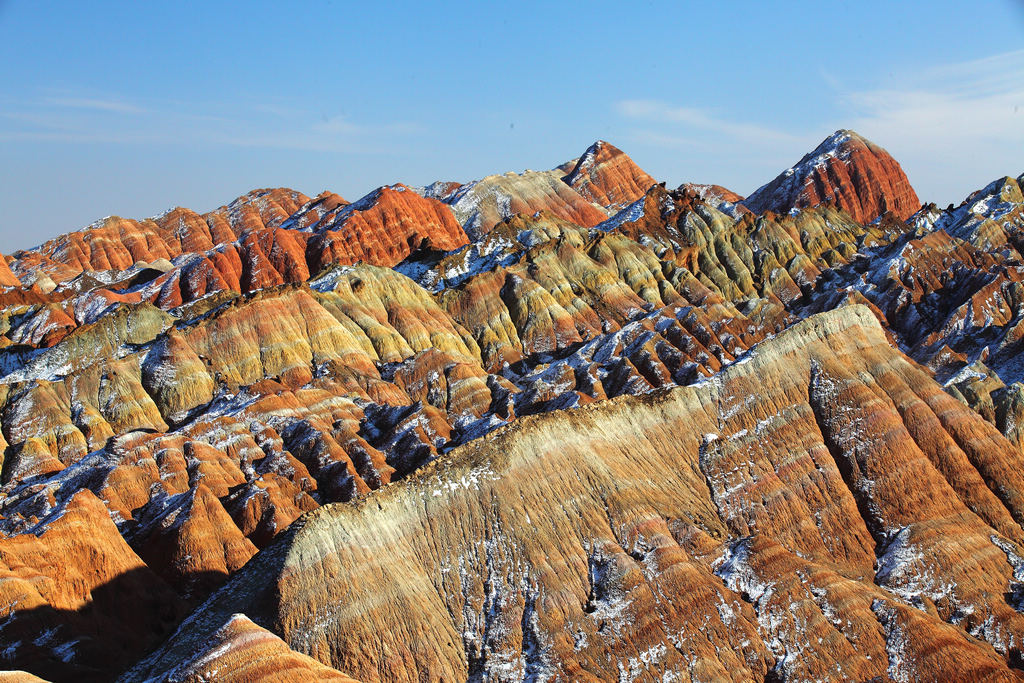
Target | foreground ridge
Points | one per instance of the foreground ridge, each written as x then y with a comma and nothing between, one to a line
806,512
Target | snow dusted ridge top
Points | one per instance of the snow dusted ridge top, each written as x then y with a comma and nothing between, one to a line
845,170
587,160
790,181
834,146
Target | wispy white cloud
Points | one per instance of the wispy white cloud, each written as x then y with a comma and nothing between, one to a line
952,127
698,118
116,106
112,120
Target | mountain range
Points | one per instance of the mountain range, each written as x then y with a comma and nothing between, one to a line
553,425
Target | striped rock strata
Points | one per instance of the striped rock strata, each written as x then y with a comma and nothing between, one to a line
819,509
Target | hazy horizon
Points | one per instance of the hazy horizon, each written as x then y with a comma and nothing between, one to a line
115,110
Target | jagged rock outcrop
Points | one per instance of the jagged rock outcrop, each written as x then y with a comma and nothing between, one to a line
818,509
846,170
950,289
716,196
606,176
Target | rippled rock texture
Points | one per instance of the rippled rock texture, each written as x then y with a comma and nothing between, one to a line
819,509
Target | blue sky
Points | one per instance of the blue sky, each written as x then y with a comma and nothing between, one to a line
130,108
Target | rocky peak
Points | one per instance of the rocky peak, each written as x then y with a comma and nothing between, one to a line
605,175
847,170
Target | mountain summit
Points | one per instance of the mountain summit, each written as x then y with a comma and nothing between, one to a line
845,169
607,176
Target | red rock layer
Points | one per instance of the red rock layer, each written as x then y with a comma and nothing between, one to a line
264,239
7,277
846,170
606,176
713,194
242,652
384,227
116,243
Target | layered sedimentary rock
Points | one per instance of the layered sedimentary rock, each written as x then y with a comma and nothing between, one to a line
717,196
192,385
950,288
77,602
116,244
7,277
712,193
383,228
482,204
265,238
241,652
765,262
819,509
606,176
845,170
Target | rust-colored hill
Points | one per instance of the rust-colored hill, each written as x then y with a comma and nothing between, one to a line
606,176
846,170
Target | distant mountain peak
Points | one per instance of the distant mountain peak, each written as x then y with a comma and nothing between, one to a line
607,176
846,169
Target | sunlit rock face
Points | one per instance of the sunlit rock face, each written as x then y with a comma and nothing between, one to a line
266,238
482,204
823,493
845,170
566,424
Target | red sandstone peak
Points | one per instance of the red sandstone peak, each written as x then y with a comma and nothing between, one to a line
261,208
607,176
847,170
385,226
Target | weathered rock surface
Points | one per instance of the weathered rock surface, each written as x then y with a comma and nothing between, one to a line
819,509
482,204
265,238
718,197
846,170
77,602
241,652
